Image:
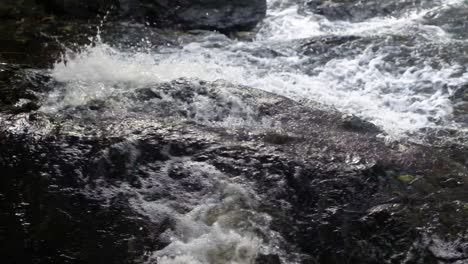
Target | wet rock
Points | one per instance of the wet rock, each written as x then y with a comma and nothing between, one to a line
201,14
361,10
39,42
352,122
187,99
20,88
89,187
124,178
243,35
13,9
277,138
268,259
220,15
451,182
80,9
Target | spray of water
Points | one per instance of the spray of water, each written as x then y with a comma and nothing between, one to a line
364,84
401,99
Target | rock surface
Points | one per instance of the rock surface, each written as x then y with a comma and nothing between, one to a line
223,15
161,168
89,182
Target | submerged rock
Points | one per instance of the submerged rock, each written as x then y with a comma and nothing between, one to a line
359,10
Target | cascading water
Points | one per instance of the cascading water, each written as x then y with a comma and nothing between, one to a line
387,75
400,69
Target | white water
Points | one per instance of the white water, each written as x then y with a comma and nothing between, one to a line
216,223
400,99
363,84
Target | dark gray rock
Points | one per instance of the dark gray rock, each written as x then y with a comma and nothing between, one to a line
80,8
78,185
223,15
39,42
13,9
357,124
76,181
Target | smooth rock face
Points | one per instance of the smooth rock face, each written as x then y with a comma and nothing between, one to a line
223,15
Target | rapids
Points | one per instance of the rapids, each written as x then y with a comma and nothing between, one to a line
399,71
159,114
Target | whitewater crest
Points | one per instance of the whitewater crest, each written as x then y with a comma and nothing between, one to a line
375,68
216,231
334,132
371,82
214,219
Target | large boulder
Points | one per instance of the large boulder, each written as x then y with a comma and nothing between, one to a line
223,15
193,157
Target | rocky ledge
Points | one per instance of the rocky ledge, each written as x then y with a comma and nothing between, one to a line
112,180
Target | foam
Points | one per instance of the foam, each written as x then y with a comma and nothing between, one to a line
361,85
285,22
221,226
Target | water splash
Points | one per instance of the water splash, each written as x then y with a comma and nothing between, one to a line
219,222
286,22
401,99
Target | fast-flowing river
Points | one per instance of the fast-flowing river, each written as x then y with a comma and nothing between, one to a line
401,65
400,69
